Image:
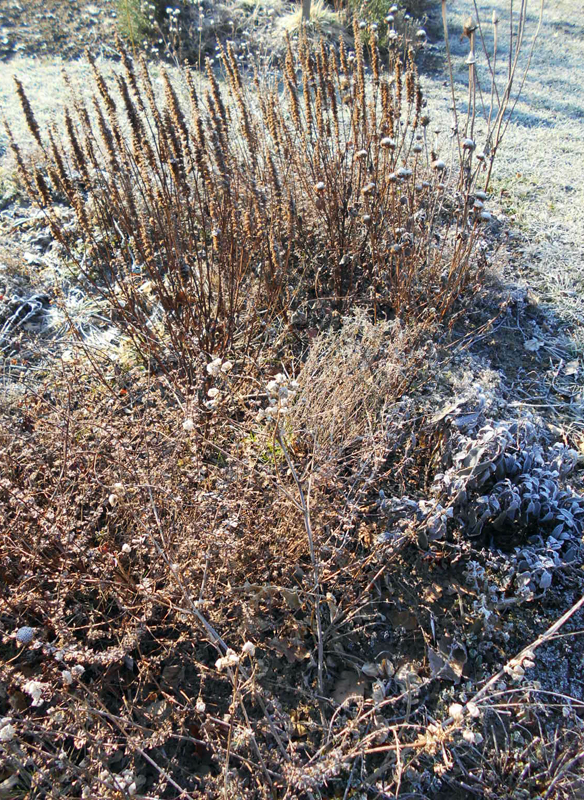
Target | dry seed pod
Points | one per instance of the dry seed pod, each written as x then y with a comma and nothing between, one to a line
469,26
468,144
388,142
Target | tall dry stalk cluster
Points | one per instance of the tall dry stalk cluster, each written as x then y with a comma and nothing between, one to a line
201,224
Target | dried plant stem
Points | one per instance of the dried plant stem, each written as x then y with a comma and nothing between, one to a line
472,91
216,639
503,118
230,732
530,648
305,507
449,59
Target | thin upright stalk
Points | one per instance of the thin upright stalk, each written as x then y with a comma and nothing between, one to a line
449,58
304,504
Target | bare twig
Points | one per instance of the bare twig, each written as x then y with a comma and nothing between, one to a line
553,629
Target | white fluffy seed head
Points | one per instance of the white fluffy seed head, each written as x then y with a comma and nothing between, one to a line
248,649
439,165
35,690
214,367
188,424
